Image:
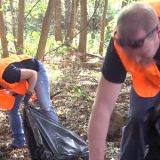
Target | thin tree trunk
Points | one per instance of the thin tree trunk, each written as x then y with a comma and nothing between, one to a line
72,24
83,29
67,6
57,15
13,23
4,41
102,28
45,30
20,27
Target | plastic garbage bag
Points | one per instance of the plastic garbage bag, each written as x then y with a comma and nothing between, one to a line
154,142
53,140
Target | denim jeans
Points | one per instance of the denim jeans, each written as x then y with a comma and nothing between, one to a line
136,134
42,90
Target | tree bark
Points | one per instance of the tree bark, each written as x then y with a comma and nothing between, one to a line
83,29
72,24
102,28
13,23
45,30
20,27
4,41
67,5
57,16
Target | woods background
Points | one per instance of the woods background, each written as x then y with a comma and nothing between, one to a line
51,26
71,38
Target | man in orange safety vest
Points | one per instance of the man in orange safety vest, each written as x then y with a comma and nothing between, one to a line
134,48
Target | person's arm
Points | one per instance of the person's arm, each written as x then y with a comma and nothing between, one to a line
30,76
106,97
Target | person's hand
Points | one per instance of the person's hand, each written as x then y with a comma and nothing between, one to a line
43,153
27,96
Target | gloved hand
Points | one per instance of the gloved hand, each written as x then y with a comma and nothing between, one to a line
27,97
43,153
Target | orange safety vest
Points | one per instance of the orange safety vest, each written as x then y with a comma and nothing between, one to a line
146,81
7,100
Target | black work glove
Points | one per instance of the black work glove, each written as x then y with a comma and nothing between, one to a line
43,153
27,97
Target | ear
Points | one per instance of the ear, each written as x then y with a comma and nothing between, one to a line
158,30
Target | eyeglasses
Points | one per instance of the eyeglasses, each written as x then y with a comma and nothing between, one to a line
135,43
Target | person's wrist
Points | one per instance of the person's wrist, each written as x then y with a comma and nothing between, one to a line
29,92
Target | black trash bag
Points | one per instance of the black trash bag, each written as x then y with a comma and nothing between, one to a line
154,145
48,140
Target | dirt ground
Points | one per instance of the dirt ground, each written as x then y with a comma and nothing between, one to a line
76,87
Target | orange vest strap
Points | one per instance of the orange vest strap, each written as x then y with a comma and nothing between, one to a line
146,80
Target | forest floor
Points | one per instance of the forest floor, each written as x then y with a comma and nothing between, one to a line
76,83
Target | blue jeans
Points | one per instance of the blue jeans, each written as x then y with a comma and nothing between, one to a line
42,90
137,132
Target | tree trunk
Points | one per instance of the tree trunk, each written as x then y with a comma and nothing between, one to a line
102,30
20,27
72,24
57,16
67,17
83,29
45,30
13,23
4,41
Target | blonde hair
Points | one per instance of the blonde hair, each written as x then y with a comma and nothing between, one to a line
134,17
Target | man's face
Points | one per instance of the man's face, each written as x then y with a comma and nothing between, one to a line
143,46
